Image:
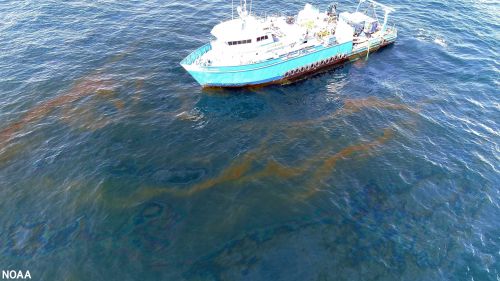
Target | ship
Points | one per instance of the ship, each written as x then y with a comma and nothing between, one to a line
250,50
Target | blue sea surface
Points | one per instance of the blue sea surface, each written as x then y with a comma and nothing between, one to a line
116,165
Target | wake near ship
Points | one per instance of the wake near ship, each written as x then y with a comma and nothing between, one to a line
251,50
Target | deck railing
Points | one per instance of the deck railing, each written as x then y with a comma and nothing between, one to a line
191,58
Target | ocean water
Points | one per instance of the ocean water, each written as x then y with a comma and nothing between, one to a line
115,165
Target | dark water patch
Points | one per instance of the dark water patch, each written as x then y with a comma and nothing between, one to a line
149,211
26,240
244,258
237,106
64,237
179,175
153,227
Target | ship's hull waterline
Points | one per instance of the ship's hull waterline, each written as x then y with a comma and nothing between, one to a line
280,71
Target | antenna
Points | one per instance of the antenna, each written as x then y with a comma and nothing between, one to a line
359,4
242,9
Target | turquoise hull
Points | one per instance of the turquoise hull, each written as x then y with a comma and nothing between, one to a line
278,70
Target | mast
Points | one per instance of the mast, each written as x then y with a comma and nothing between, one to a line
386,16
242,9
359,4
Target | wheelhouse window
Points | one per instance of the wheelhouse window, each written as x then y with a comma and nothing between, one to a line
262,38
232,43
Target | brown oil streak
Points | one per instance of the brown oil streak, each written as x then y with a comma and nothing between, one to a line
329,164
85,116
119,104
239,170
139,85
94,83
274,168
10,151
79,90
355,105
234,172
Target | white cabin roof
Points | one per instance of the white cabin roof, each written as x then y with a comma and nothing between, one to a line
356,17
239,29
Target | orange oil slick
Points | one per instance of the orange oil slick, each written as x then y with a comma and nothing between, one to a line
329,163
233,173
119,104
94,83
277,169
240,170
355,105
9,151
139,85
81,89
